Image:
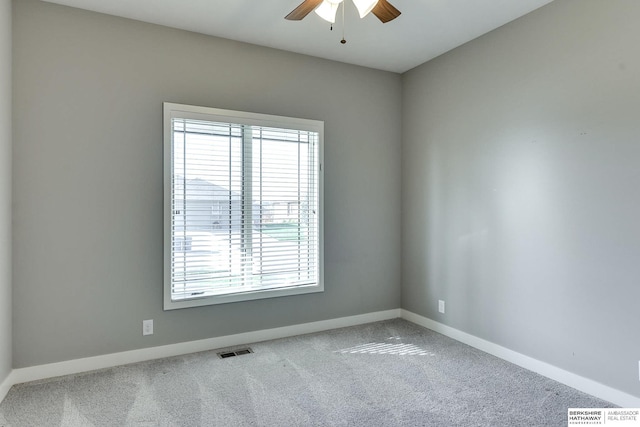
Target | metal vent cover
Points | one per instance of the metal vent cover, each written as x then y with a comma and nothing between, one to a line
238,352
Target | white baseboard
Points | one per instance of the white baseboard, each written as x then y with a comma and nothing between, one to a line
34,373
585,385
5,385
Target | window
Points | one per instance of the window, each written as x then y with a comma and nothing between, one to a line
243,206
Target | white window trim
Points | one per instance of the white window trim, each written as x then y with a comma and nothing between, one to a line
172,110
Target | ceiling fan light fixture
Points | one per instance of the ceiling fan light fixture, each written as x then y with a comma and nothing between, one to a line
382,9
365,6
327,10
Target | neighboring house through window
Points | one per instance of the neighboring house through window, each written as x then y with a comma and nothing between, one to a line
243,206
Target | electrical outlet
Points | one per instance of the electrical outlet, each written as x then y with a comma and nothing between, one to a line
147,327
441,306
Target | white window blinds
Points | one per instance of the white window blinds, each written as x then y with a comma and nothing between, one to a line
244,217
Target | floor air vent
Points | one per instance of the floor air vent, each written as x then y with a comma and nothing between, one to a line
239,352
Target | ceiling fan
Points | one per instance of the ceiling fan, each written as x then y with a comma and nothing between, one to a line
327,9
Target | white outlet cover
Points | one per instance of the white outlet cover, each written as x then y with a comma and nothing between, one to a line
147,327
441,306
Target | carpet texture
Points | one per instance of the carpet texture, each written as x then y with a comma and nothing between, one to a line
390,373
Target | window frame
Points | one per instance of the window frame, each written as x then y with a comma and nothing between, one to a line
173,110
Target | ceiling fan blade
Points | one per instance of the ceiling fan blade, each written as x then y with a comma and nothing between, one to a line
385,11
305,8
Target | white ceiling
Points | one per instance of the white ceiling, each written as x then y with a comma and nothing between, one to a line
426,28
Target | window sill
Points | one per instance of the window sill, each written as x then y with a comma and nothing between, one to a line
200,301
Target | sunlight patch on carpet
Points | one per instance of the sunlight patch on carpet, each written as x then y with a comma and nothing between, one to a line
384,348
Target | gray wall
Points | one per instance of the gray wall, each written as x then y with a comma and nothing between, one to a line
521,188
5,189
88,93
